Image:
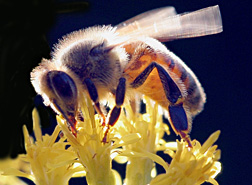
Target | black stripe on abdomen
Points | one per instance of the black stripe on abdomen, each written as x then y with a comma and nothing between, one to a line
194,98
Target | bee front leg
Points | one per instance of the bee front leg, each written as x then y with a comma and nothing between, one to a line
115,113
94,97
177,114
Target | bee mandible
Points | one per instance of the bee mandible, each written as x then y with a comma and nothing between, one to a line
120,61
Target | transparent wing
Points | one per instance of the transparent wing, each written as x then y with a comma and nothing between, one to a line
148,17
164,25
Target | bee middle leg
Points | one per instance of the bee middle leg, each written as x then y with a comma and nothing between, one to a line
177,114
116,111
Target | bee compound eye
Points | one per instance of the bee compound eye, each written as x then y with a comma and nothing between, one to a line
63,86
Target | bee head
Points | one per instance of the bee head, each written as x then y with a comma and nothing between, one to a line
58,90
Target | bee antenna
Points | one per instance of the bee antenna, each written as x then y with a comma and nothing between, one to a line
109,48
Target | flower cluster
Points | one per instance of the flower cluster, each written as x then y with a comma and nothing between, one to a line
192,166
47,161
135,139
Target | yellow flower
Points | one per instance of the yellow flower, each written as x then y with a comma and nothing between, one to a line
140,156
192,165
15,163
50,161
134,139
95,156
189,165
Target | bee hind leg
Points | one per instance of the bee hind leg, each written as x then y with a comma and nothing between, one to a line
178,117
172,91
179,121
115,113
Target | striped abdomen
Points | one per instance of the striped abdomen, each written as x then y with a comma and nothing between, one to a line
143,54
195,96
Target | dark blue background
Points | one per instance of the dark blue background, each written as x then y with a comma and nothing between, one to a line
221,62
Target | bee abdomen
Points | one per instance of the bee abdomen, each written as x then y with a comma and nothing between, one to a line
195,96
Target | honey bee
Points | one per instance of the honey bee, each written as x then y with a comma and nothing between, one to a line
129,58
